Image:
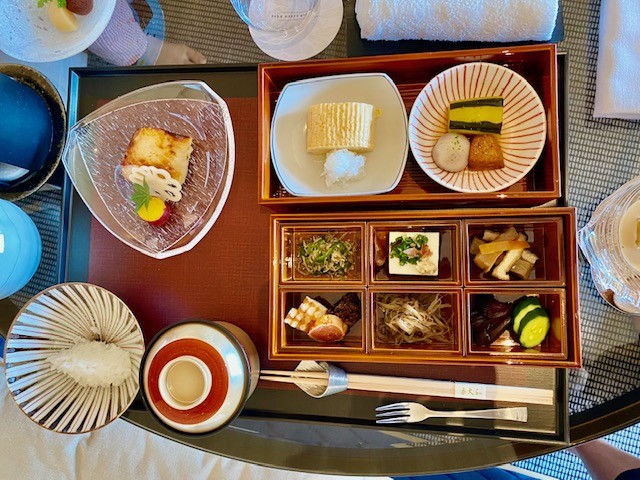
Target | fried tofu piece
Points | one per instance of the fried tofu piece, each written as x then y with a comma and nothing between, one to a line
158,148
485,153
306,315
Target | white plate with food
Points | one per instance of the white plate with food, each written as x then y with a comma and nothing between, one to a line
155,166
73,357
477,127
42,31
339,135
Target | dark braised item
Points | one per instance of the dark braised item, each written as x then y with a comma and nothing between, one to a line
490,321
323,301
348,309
486,331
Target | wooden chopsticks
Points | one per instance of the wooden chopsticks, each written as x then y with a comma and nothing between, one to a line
419,386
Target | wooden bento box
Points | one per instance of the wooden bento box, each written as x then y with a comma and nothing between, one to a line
460,288
410,73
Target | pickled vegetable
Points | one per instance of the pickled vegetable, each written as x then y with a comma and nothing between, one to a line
489,321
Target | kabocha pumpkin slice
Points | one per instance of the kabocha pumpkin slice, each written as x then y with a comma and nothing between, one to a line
476,115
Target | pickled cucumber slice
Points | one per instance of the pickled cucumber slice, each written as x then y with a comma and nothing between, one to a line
522,308
534,328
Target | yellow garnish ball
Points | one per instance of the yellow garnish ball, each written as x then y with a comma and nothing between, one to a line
153,210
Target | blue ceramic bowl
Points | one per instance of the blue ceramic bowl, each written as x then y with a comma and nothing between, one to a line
33,134
20,248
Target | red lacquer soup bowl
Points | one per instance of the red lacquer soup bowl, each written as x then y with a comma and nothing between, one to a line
197,375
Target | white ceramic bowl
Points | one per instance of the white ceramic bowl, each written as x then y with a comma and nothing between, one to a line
96,145
55,320
524,126
26,33
300,172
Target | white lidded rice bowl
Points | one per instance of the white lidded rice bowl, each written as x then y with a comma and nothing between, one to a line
55,320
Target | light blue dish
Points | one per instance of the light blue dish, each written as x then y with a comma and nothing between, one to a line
20,248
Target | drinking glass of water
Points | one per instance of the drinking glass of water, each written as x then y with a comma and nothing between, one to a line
276,22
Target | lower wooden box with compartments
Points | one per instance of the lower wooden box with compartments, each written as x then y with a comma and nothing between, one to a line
473,287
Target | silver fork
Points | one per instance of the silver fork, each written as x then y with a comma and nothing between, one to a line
411,412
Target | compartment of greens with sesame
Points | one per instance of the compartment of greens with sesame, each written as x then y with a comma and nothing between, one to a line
326,255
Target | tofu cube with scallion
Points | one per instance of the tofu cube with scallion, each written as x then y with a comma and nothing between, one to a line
414,253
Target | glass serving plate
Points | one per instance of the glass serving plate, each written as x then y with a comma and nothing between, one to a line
97,144
609,243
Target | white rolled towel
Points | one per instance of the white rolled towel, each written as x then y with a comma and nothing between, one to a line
617,92
457,20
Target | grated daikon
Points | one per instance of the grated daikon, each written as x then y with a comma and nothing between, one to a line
343,166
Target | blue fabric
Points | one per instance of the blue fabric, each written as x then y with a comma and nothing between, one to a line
486,474
629,475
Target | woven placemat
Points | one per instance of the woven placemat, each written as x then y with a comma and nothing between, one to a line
44,209
215,29
603,155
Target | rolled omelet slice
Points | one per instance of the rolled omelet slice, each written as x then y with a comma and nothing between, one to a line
333,126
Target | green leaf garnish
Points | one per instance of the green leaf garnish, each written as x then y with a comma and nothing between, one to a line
61,3
141,195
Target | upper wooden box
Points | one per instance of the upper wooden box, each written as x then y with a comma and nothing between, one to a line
411,72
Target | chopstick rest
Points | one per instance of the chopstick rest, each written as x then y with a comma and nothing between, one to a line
337,379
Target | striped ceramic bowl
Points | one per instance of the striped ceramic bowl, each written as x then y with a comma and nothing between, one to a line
524,126
54,320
